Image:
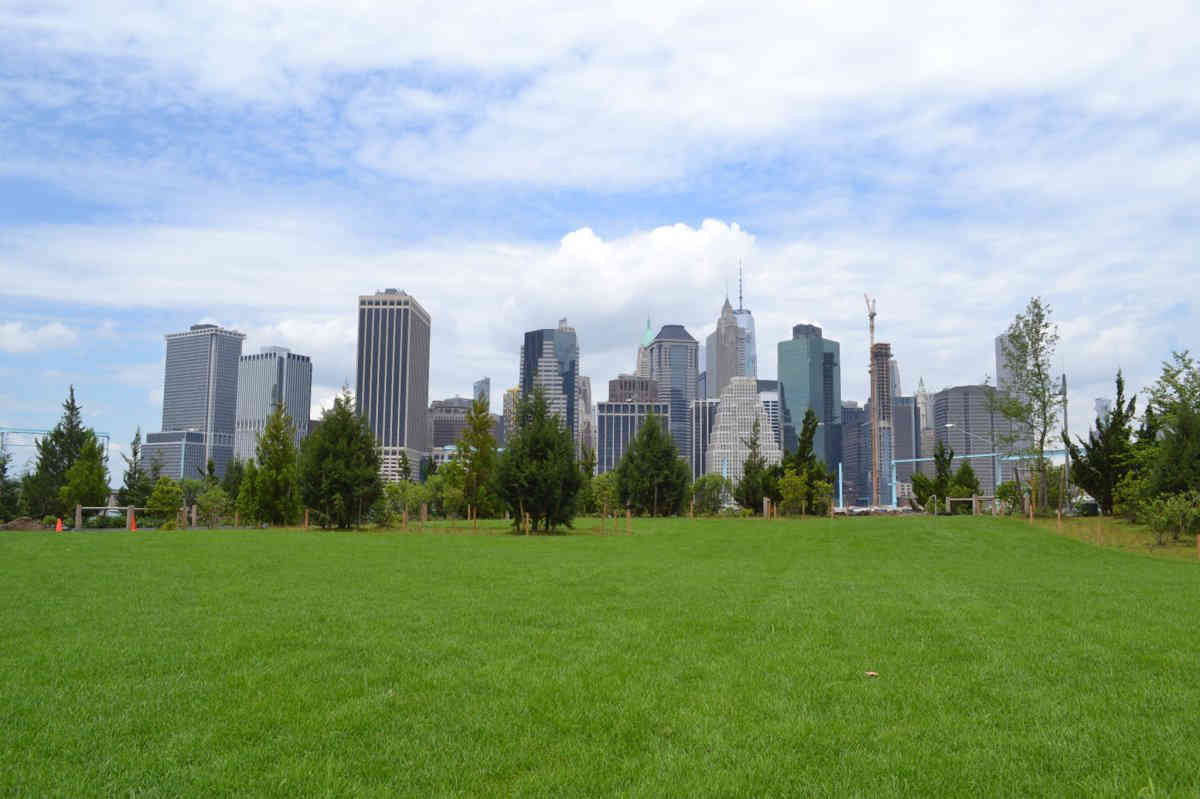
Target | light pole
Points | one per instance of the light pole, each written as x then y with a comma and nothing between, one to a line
995,455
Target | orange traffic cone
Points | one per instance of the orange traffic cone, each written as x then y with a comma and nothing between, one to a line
133,521
58,525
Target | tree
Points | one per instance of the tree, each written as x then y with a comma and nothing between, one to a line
10,489
1175,460
208,475
213,505
56,454
963,484
751,489
165,500
339,466
1099,464
477,451
278,494
651,479
86,482
586,503
232,482
814,479
793,488
191,490
1175,514
404,467
605,493
247,498
710,492
1032,402
538,475
136,488
930,493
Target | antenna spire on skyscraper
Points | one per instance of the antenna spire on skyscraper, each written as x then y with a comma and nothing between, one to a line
739,284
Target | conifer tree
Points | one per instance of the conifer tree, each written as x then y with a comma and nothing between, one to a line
339,466
477,451
277,488
137,484
538,474
651,478
1099,464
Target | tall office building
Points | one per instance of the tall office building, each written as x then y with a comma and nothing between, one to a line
617,422
856,455
810,377
550,361
745,320
446,420
925,414
674,357
704,416
509,416
737,411
392,384
482,390
273,376
631,388
768,395
881,394
964,420
199,403
724,353
906,437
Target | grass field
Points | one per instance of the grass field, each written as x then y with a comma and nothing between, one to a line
718,658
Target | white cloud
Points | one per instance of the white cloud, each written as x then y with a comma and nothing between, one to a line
16,337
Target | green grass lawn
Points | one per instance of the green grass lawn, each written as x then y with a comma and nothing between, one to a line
719,658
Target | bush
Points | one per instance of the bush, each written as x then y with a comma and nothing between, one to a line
169,524
49,521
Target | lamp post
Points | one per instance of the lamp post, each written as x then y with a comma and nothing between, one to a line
995,455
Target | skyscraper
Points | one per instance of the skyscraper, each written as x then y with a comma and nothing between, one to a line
810,377
925,414
642,367
273,376
856,455
508,421
768,395
392,384
724,352
881,408
965,421
199,403
906,436
482,389
674,357
550,361
737,411
617,422
745,320
446,420
704,415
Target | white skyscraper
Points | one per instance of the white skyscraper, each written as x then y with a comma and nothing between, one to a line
271,377
739,408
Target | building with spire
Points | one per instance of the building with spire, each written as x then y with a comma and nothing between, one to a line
724,353
642,368
745,320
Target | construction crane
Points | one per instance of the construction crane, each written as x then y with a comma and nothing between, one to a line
874,405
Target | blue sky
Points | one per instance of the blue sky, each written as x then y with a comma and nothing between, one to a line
260,165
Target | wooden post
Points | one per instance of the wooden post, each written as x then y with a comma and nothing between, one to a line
306,518
974,505
948,511
236,519
78,518
629,521
193,515
766,508
424,512
129,518
404,519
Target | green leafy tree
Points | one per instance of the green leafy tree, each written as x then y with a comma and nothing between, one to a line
794,489
710,492
586,502
477,453
278,489
964,484
247,499
192,489
213,505
930,493
208,475
537,474
651,479
136,487
1174,515
86,482
1174,462
1010,496
10,489
605,492
339,466
56,454
1033,403
404,467
1099,464
814,477
165,500
446,490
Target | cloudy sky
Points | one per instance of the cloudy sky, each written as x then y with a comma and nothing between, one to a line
262,164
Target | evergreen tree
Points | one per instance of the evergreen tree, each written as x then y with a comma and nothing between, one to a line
1099,464
10,489
278,495
247,498
339,466
137,485
404,467
538,474
477,452
56,454
751,488
86,482
651,478
165,500
232,482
